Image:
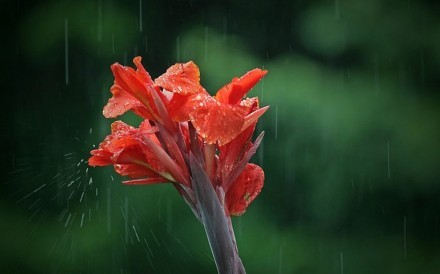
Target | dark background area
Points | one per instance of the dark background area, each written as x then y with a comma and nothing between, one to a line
351,151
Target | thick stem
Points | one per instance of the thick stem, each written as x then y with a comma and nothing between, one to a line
216,223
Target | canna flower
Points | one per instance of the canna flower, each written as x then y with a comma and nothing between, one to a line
200,143
217,119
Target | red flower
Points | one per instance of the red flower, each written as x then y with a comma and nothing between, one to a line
125,149
217,119
182,118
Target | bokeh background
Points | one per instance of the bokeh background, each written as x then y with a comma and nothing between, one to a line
351,151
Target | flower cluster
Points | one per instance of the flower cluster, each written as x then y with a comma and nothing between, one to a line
181,122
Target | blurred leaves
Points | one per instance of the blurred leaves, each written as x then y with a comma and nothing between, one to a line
82,22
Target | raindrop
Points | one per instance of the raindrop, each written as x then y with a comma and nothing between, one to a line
148,246
113,44
135,232
404,237
388,159
178,48
43,185
66,50
82,220
126,219
342,263
276,122
34,203
376,73
70,196
154,237
68,219
108,209
280,262
337,10
146,43
140,15
262,89
225,28
206,43
99,21
422,67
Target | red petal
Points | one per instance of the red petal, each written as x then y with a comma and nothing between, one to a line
141,72
120,127
253,117
99,161
181,106
146,181
126,146
232,152
133,84
134,171
181,78
233,92
245,189
121,102
215,121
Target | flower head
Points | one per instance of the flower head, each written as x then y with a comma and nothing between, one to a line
181,119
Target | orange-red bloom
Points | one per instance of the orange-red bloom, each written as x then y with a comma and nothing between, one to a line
180,119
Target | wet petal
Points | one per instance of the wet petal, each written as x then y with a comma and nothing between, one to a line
181,106
134,171
122,102
99,160
245,189
232,152
215,121
181,78
233,92
126,146
131,83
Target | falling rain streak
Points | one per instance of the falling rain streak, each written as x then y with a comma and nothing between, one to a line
99,21
206,43
135,232
337,10
113,43
140,15
276,122
262,89
66,50
388,160
108,211
82,220
404,238
342,263
126,219
178,57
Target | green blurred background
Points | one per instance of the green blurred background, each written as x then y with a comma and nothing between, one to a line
351,152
